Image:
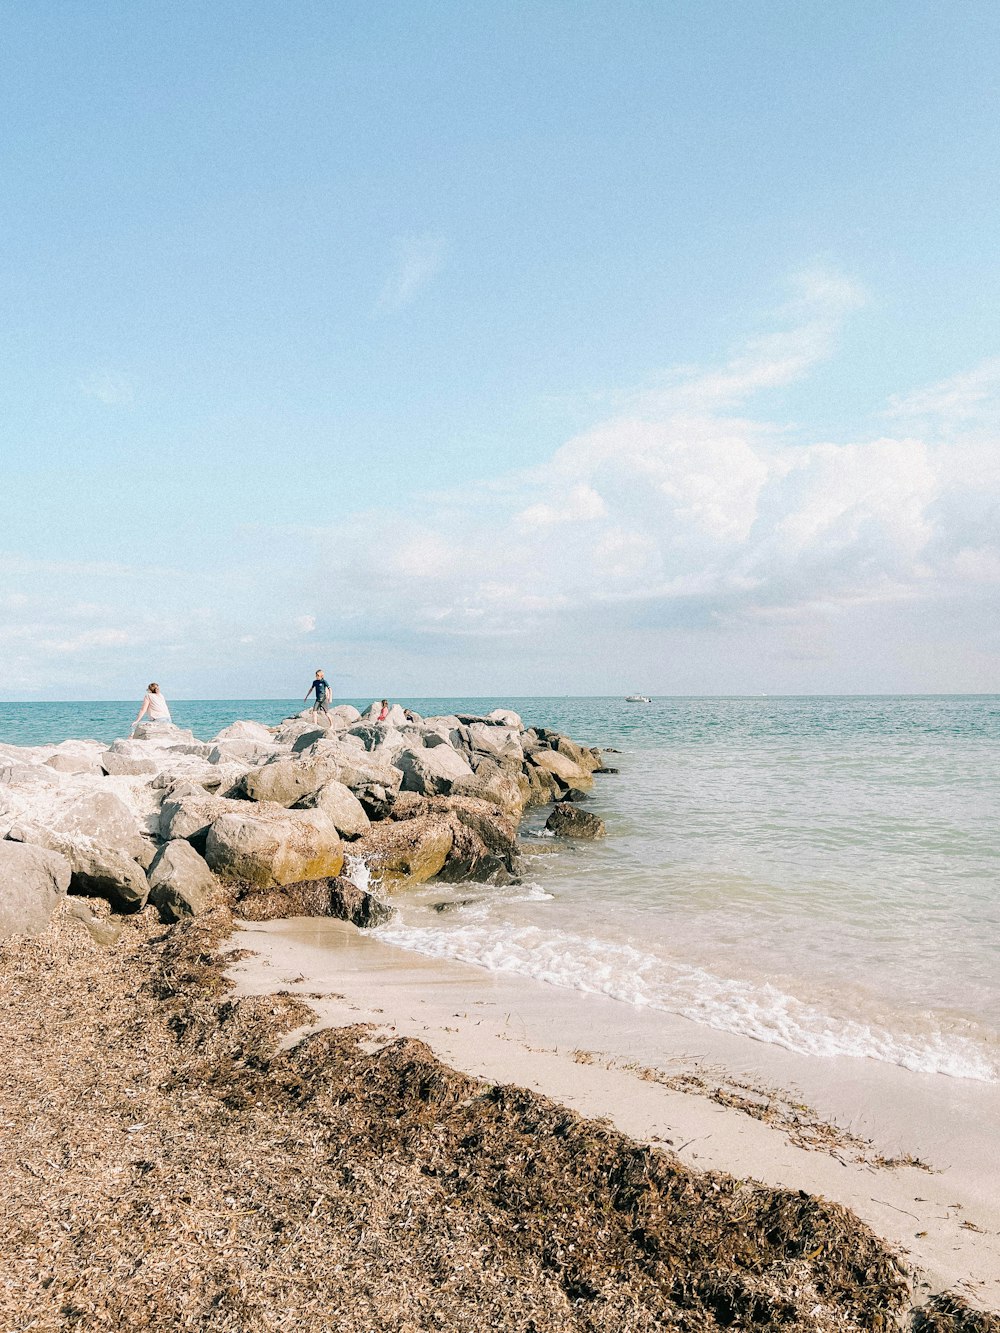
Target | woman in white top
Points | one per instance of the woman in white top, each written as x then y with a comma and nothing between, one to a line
154,704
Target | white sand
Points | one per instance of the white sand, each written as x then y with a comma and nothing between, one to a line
511,1030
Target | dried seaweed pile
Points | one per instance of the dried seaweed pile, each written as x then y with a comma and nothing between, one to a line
165,1166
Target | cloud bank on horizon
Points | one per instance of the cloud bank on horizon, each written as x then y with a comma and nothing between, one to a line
687,543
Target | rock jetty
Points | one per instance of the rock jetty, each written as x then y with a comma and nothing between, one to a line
273,818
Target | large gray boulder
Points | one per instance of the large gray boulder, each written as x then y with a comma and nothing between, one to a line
118,765
188,812
87,819
293,727
180,881
344,715
288,780
565,770
589,760
307,739
343,807
14,774
511,792
373,782
506,717
161,731
496,742
32,880
104,873
269,845
392,743
432,772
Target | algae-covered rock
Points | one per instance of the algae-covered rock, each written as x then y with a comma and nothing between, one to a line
269,845
412,851
333,897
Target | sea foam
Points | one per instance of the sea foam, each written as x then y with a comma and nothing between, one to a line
626,974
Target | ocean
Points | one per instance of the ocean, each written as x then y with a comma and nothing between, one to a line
818,873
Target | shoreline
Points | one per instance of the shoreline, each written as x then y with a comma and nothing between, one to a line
253,1057
180,1156
511,1030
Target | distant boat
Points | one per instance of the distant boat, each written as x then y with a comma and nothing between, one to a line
638,699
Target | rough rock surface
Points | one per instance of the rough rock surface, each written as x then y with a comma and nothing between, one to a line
269,846
13,774
32,880
566,770
189,811
239,751
286,781
483,841
118,765
411,851
104,873
432,772
343,807
337,897
245,731
93,818
75,763
180,881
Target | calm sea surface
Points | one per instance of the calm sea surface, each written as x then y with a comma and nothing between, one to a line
821,873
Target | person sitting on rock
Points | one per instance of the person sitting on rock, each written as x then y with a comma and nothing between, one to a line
154,704
322,688
385,711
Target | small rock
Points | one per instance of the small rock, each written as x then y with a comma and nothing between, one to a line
566,821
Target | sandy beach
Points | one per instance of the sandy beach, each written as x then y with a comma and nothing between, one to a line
942,1214
177,1157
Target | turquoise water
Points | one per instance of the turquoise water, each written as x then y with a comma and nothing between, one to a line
820,873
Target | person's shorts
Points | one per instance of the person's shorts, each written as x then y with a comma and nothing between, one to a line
323,703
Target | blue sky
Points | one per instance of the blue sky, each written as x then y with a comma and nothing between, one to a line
499,347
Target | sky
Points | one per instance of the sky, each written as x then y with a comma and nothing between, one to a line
499,348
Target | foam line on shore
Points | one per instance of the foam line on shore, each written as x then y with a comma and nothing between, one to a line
627,974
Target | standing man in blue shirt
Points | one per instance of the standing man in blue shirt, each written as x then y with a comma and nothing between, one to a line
321,686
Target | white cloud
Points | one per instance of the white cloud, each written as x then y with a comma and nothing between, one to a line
685,532
580,504
961,400
419,260
811,320
685,513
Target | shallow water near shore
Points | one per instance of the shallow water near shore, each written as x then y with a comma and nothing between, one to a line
819,874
